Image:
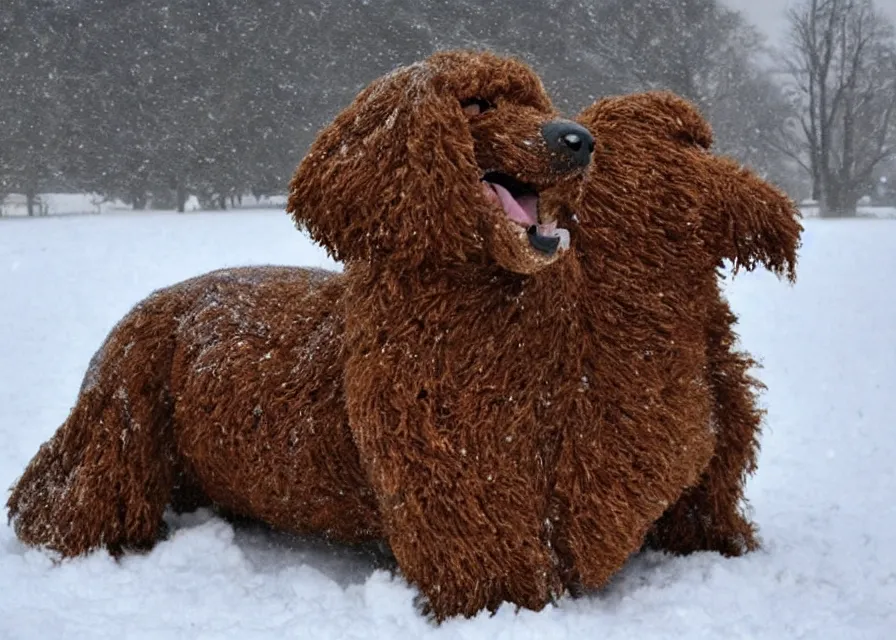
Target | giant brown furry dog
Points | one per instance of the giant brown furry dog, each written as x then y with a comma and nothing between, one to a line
495,433
229,387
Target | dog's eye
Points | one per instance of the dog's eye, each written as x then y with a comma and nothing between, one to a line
476,106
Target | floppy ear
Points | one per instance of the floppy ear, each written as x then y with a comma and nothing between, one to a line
747,220
750,222
742,217
661,112
679,118
383,179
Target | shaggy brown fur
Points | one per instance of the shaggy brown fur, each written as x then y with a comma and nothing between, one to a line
508,435
664,401
227,387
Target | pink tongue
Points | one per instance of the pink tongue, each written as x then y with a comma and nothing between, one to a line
523,211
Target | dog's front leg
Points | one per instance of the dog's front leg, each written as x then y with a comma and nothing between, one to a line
464,518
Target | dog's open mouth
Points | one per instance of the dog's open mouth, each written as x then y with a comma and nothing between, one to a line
520,204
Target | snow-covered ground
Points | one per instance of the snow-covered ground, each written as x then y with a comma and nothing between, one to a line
54,204
823,497
862,211
15,205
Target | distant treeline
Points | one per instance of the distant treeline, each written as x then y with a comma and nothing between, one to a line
152,100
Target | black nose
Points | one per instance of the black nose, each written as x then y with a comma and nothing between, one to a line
569,139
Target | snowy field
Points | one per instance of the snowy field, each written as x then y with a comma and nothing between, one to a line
862,211
15,205
823,497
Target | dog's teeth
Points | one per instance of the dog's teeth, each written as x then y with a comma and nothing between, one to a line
563,234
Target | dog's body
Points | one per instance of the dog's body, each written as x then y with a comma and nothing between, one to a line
252,377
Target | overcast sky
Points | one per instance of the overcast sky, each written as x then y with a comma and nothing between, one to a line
769,14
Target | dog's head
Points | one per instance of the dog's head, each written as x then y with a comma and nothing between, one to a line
653,157
442,162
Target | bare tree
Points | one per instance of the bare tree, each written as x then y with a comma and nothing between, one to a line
704,51
842,59
685,46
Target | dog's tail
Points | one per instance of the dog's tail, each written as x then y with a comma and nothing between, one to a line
105,477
